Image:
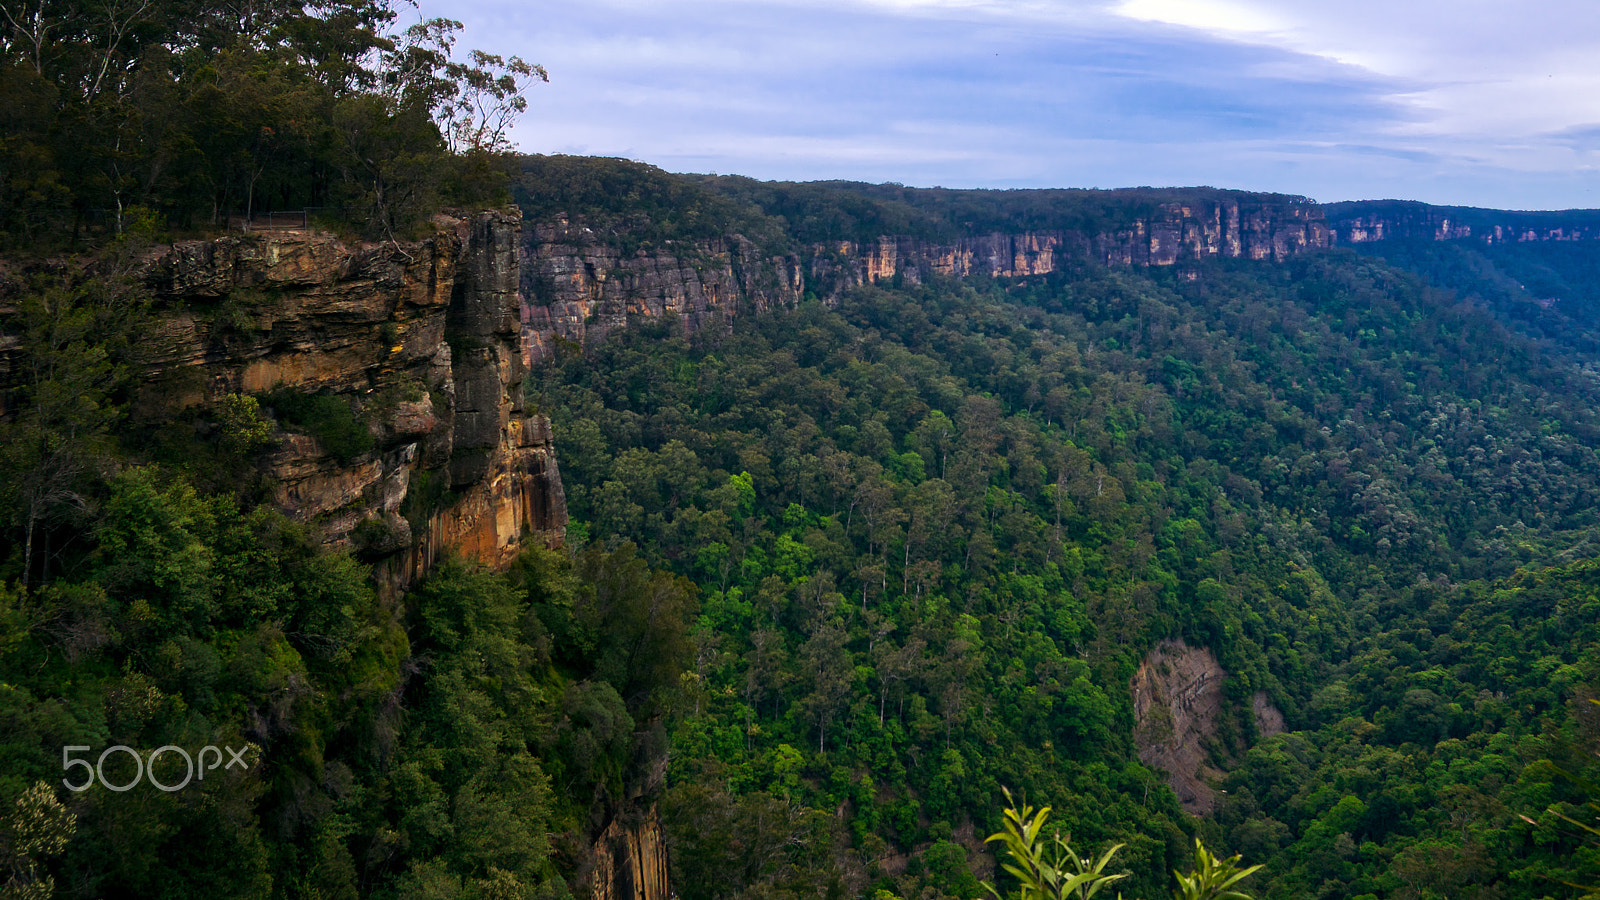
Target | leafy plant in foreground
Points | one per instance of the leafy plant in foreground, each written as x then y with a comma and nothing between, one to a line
1049,869
1212,877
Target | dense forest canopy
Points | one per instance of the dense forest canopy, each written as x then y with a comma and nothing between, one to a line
936,529
837,575
642,203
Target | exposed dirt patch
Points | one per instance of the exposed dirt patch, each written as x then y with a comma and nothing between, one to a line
1177,696
979,859
978,856
1269,719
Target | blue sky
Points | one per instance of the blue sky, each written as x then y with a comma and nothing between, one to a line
1465,102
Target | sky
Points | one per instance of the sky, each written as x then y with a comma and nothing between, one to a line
1456,102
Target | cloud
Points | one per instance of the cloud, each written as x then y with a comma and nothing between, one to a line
1221,16
1335,101
1478,68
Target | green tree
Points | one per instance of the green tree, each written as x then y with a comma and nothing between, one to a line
74,358
39,828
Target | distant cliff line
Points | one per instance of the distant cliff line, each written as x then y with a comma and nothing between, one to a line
609,240
1366,221
580,281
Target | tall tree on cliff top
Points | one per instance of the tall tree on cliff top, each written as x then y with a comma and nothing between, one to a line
199,109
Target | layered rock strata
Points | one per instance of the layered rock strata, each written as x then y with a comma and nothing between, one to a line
1363,222
419,342
579,285
1178,232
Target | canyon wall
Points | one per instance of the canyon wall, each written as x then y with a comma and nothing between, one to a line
1362,222
1268,228
420,343
578,284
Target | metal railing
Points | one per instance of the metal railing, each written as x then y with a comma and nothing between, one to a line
286,220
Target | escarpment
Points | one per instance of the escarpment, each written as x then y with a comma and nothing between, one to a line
1370,221
1176,232
580,284
395,375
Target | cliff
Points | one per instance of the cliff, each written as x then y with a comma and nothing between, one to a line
1177,699
419,344
1365,222
580,285
630,861
1265,228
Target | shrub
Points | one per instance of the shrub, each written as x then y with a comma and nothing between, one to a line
326,417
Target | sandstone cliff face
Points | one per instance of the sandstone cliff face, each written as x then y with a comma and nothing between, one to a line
630,861
422,341
578,286
1178,232
1364,222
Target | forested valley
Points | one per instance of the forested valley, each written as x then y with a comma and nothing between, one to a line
936,529
837,574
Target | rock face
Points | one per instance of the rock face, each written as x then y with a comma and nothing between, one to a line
419,342
1269,719
1177,694
579,286
630,861
1177,697
1364,222
422,345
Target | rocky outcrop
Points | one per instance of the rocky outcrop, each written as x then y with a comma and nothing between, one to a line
630,861
1177,699
1177,696
419,343
578,285
1268,718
